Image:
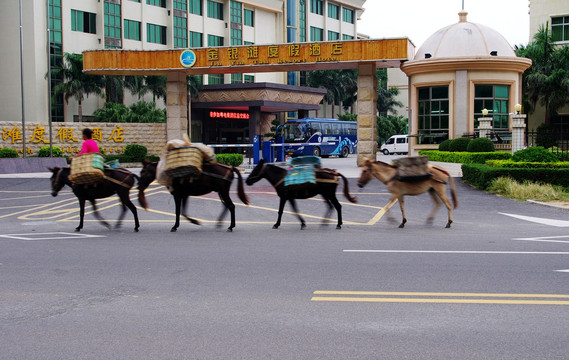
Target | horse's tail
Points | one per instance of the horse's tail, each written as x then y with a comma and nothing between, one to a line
452,187
141,197
240,188
347,190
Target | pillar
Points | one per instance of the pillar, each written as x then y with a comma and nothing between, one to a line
485,126
518,132
367,119
254,122
176,105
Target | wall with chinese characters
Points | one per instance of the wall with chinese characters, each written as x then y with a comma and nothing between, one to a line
111,137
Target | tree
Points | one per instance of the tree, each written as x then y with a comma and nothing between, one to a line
156,85
134,84
546,81
76,84
386,98
390,125
339,84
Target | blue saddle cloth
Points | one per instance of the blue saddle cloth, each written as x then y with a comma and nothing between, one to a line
301,170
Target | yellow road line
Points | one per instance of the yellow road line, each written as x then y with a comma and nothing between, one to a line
441,301
399,293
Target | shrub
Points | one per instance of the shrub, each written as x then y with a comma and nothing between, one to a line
8,153
481,145
135,152
459,144
535,154
230,159
544,136
44,151
464,157
445,145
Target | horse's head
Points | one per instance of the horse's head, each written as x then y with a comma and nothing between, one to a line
147,174
58,179
257,173
366,174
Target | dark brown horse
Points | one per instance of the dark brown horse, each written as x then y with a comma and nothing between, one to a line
326,183
214,177
116,181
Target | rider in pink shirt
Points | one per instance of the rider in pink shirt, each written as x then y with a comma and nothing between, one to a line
89,145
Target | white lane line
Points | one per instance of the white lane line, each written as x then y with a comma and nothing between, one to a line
566,270
459,252
48,236
544,221
545,239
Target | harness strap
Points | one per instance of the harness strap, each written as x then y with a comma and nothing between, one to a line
121,183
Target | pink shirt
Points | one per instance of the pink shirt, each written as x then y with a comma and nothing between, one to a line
89,146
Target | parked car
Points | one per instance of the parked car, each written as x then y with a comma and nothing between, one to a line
397,144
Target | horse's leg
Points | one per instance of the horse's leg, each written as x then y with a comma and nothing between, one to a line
121,216
435,207
178,202
338,207
228,205
97,215
329,208
184,214
282,202
293,205
81,214
224,210
127,203
402,207
441,193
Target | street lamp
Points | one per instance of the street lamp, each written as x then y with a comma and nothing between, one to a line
484,112
518,108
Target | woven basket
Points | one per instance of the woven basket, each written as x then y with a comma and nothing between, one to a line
87,168
184,161
413,167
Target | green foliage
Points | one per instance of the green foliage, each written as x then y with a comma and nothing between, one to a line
544,136
445,145
480,145
230,159
348,117
274,124
112,112
459,144
8,153
481,176
535,154
390,125
527,165
56,151
141,112
135,152
464,157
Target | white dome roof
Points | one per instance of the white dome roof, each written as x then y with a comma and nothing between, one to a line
465,39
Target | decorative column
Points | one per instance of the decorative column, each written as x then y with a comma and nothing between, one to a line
484,124
367,119
518,129
176,105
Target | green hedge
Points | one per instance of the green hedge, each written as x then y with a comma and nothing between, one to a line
8,153
464,157
480,175
230,159
510,164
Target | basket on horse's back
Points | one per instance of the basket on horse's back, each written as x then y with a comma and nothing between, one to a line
184,161
87,168
412,168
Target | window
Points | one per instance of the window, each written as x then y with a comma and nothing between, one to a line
195,7
132,30
433,114
560,28
494,98
214,79
333,11
235,12
236,78
332,35
213,40
196,39
236,37
83,21
248,17
161,3
156,34
302,21
316,34
181,4
248,78
347,37
214,10
348,15
316,7
236,18
56,57
180,32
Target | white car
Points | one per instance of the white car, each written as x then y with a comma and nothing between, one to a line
397,144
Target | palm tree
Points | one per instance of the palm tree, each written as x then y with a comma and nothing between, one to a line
338,83
386,98
156,85
546,81
134,84
76,84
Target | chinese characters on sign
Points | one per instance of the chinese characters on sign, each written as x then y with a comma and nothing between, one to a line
228,115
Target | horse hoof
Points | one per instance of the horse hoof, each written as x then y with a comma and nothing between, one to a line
136,230
401,226
173,229
303,226
77,229
275,227
448,224
229,230
338,227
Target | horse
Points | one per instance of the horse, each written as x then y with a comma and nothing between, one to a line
326,183
435,185
214,177
116,181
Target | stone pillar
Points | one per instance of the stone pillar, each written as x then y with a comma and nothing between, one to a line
176,105
485,126
518,132
367,119
254,122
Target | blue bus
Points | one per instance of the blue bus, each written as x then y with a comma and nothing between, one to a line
319,137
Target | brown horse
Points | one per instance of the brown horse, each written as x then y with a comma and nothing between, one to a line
435,185
214,177
326,183
116,181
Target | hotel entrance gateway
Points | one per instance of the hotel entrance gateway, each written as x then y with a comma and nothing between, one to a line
364,55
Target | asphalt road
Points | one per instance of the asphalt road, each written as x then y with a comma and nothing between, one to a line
493,286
